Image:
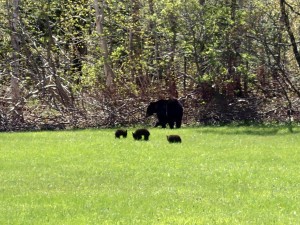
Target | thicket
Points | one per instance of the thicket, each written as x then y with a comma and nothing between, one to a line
83,63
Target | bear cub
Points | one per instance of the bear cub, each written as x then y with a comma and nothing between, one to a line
121,132
137,135
174,139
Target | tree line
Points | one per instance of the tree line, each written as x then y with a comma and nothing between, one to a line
83,63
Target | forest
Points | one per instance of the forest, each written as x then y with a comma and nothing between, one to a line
98,63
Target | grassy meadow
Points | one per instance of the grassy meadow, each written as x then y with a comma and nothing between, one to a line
217,175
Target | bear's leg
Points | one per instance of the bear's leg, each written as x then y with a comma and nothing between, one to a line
178,123
163,125
157,124
171,124
146,137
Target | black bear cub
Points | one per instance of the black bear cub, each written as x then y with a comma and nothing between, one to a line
174,139
137,135
121,132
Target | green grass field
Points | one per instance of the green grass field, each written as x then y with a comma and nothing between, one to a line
218,175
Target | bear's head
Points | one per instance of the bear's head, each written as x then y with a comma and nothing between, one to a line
136,136
151,109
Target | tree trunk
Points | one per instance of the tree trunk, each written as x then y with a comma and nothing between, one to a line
289,30
54,64
235,88
155,42
135,43
17,109
109,74
171,75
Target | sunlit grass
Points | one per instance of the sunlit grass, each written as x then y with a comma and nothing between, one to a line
218,175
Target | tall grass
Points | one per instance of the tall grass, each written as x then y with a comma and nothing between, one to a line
217,175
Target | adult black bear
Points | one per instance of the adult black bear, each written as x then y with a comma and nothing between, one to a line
174,139
137,135
121,132
167,112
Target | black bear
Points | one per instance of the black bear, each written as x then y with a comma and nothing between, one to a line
121,132
174,139
137,135
167,112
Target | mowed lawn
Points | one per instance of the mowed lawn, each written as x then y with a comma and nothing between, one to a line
217,175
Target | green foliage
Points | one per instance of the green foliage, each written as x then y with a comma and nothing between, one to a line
151,45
